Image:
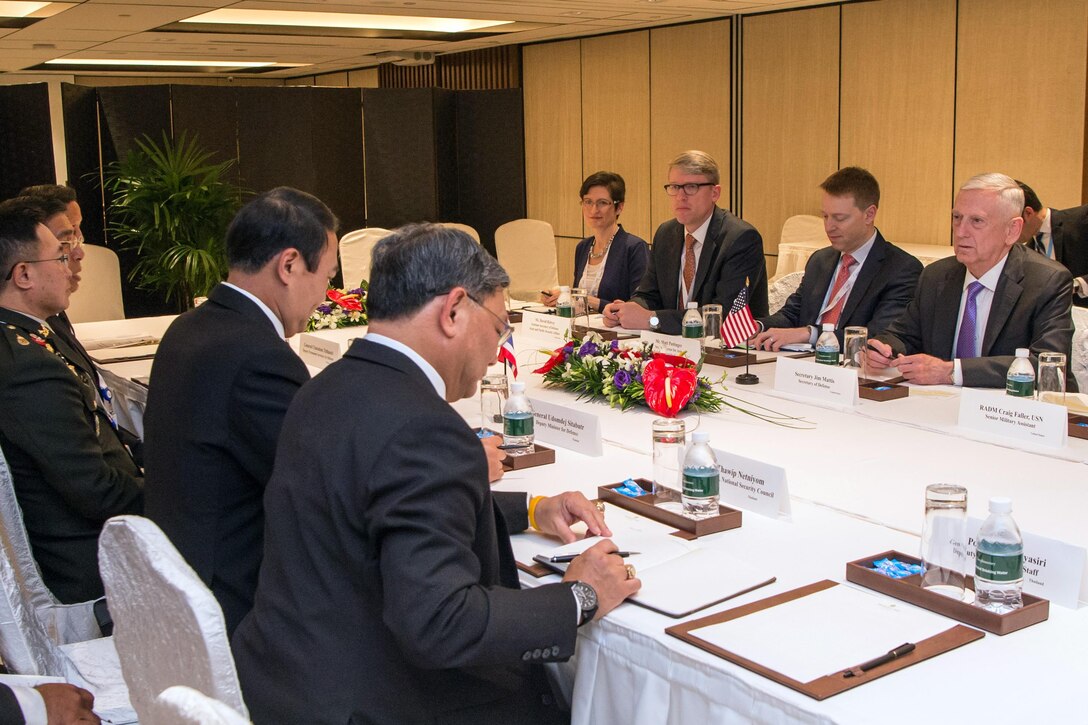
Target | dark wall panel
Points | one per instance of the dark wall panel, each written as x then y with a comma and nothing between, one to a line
337,138
401,183
80,105
445,154
274,146
26,141
211,113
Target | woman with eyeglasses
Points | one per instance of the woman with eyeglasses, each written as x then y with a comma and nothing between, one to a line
609,264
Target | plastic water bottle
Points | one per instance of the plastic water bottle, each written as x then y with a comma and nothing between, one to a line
999,560
1021,378
692,324
517,421
563,305
700,492
827,346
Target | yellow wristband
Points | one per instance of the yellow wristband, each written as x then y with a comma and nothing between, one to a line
532,510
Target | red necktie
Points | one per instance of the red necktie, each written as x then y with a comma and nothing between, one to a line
832,315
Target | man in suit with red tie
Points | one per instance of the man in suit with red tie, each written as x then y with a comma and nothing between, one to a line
1061,235
861,279
704,255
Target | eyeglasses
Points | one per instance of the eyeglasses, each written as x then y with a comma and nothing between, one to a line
601,204
72,244
63,259
507,330
689,189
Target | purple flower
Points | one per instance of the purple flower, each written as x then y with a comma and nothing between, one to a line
356,291
638,377
324,309
615,346
588,348
621,379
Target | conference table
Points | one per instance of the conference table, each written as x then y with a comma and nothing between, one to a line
856,477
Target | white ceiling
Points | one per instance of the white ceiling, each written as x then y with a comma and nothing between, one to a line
128,29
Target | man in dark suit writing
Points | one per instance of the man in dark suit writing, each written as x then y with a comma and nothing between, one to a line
973,311
704,255
860,279
388,590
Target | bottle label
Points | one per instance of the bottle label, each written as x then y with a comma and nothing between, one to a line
693,331
1020,388
998,567
700,485
517,427
827,357
564,310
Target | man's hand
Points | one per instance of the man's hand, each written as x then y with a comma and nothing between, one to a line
495,457
66,704
880,354
774,338
925,369
555,514
607,574
628,315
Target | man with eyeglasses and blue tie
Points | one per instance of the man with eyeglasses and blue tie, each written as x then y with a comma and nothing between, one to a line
705,255
70,470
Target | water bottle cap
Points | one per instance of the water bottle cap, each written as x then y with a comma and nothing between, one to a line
564,289
1022,352
693,305
700,437
1000,505
516,388
829,327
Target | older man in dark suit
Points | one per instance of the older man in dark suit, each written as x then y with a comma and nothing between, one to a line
1061,235
704,255
388,591
860,279
973,311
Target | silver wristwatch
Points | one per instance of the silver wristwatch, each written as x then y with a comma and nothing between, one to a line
587,601
655,322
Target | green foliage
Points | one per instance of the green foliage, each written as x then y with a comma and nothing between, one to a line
172,204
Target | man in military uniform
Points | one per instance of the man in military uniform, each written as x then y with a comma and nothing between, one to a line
70,469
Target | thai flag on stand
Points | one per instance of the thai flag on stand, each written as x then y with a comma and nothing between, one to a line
506,354
739,325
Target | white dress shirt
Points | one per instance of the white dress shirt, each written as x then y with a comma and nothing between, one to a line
983,302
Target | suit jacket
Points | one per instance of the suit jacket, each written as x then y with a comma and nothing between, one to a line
623,267
884,286
220,386
389,591
11,713
732,252
1069,229
70,469
1031,308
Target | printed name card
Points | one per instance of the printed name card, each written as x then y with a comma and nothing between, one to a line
826,383
753,485
673,344
1007,416
566,427
553,328
326,346
1053,569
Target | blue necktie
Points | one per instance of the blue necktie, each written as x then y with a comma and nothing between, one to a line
965,343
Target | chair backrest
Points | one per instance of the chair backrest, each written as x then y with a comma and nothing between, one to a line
355,249
463,227
526,250
99,293
1078,363
803,228
781,289
186,706
168,627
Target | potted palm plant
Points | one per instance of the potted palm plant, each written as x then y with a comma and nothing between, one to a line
172,204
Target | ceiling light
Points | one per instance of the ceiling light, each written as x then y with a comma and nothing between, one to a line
18,9
230,16
178,63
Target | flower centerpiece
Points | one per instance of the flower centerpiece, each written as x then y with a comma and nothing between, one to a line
341,308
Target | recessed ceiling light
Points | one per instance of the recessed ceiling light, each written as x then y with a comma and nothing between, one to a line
12,9
171,63
231,16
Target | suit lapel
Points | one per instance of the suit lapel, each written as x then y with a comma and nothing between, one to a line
1006,295
948,303
868,273
709,253
1056,236
668,277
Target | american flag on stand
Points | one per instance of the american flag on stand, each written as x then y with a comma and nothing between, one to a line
739,325
506,354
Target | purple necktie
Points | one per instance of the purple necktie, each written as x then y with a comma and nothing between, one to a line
965,343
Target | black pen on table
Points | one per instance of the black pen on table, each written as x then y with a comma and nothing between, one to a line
513,446
900,651
568,558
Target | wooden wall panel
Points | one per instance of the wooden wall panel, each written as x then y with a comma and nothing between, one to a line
616,119
690,109
1020,96
551,81
564,250
898,103
790,116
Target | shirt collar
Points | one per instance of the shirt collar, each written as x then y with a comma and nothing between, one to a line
276,322
1044,228
428,369
988,280
862,253
700,233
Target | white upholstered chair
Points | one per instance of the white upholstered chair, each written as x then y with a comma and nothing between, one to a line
355,250
802,234
167,625
781,289
181,705
99,293
463,227
526,250
1078,363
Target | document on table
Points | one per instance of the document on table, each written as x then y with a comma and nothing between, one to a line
678,577
123,354
120,341
828,632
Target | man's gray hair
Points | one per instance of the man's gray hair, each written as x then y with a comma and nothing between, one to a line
1008,191
419,262
697,162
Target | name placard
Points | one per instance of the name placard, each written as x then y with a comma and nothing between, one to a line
753,485
828,383
326,346
673,344
551,328
1022,419
569,428
1053,569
